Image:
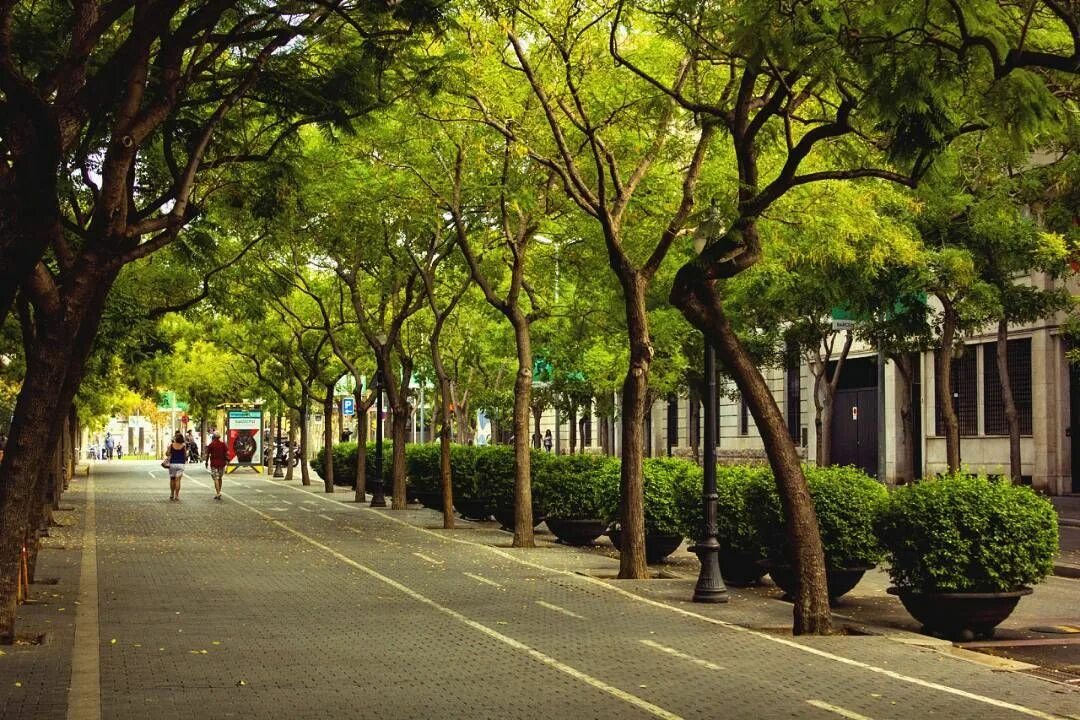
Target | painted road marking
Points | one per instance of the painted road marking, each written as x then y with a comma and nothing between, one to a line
305,509
258,490
286,502
480,578
532,652
690,658
84,695
850,662
425,558
326,517
558,609
842,712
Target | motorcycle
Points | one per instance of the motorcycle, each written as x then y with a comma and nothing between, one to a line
281,453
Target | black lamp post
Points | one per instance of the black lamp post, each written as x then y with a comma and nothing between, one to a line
378,499
710,585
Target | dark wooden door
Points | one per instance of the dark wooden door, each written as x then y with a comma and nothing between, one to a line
854,431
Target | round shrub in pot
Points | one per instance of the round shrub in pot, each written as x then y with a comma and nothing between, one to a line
423,469
847,502
576,494
963,550
469,495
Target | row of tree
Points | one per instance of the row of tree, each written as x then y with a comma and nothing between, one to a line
337,178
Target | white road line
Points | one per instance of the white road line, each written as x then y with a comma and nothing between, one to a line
151,474
355,530
286,502
842,712
690,658
426,558
84,695
259,490
480,578
326,517
305,509
929,684
532,652
558,609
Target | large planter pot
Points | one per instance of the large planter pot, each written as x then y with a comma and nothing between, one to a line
741,569
472,509
505,516
657,546
431,499
576,532
839,580
959,615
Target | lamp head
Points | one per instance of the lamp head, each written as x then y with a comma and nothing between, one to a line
709,228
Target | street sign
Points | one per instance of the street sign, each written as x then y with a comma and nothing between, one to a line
348,406
855,413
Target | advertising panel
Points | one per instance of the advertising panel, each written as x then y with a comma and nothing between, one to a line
243,435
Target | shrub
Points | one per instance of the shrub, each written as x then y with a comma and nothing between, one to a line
422,466
344,459
957,533
735,526
494,467
660,479
847,502
577,487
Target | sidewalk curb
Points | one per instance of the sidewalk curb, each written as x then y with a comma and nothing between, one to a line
1065,569
1069,522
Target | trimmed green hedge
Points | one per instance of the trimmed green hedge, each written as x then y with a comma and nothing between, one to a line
577,487
345,462
957,533
736,529
847,502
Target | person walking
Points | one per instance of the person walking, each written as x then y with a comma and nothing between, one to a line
547,440
176,454
119,451
217,457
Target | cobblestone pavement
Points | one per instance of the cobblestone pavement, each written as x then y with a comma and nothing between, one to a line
285,602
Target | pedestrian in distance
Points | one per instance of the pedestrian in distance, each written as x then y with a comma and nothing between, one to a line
547,440
119,451
217,457
176,457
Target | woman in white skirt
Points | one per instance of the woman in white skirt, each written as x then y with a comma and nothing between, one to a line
176,454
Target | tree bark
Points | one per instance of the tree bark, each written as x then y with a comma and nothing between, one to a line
523,511
943,379
55,359
360,486
328,439
696,297
289,453
398,427
1011,414
446,481
635,392
305,414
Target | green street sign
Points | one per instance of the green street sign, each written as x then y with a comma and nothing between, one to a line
167,402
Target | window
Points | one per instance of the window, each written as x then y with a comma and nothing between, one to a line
1018,361
744,417
964,386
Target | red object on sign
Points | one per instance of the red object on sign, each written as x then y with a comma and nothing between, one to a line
184,419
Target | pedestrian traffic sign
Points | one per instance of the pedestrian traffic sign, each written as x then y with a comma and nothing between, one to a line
348,406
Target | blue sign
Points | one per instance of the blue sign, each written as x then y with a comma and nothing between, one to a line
348,406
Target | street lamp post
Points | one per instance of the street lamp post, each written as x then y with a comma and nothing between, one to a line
710,584
378,499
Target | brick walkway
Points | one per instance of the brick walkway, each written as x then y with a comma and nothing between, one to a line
284,602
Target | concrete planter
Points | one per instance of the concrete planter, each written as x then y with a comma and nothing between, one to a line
576,532
840,580
657,546
960,615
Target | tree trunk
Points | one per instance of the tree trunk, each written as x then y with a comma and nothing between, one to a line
446,481
949,419
905,369
328,439
824,423
360,492
397,468
292,443
811,611
305,413
696,296
635,394
55,360
523,511
1011,414
360,486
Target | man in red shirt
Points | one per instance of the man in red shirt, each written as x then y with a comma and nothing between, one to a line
217,457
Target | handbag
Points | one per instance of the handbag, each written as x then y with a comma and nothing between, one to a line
165,463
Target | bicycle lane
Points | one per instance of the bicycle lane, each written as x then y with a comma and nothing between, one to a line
656,652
